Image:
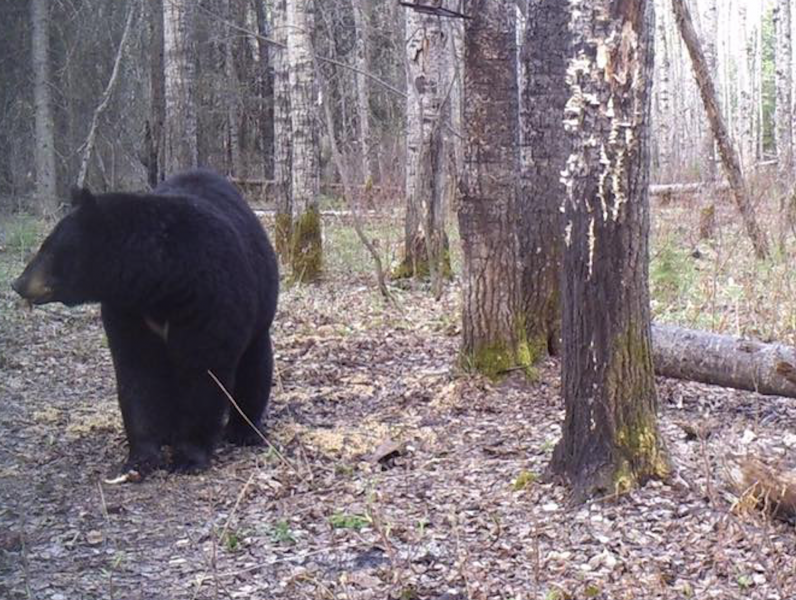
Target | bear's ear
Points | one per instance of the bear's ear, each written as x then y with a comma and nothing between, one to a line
83,197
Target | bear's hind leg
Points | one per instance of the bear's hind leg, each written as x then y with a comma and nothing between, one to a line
252,389
145,387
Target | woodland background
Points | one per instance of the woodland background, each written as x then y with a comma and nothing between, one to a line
393,471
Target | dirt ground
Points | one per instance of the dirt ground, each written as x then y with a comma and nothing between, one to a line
392,475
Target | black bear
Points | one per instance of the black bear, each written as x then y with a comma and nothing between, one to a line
188,283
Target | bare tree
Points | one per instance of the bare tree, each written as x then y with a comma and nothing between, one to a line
493,336
180,124
544,151
427,147
42,98
88,147
306,252
729,156
610,441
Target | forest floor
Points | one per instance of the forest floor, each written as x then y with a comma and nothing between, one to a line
393,475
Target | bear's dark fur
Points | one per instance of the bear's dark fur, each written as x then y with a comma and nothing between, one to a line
188,283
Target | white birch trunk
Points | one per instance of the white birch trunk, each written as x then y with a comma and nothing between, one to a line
306,237
181,142
361,40
783,127
710,35
236,166
283,139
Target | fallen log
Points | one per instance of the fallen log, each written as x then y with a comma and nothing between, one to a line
673,189
724,360
759,484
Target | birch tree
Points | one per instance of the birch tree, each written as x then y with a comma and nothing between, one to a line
427,146
493,336
361,42
44,149
610,440
180,124
710,35
783,113
232,95
306,253
283,140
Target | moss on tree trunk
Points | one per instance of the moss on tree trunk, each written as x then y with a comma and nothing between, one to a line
415,264
502,356
306,247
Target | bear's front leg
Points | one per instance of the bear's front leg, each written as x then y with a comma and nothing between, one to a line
201,408
145,387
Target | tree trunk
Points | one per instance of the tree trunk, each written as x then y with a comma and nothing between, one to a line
493,334
729,156
154,158
306,252
265,79
783,129
283,136
44,148
662,121
544,151
180,122
361,44
427,148
710,34
610,441
232,96
724,360
745,96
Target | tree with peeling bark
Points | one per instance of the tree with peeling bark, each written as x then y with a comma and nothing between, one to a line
180,123
544,149
610,440
306,251
727,152
493,331
427,148
44,149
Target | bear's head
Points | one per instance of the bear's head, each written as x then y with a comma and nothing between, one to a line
59,272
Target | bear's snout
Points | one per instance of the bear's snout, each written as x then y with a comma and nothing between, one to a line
17,285
32,286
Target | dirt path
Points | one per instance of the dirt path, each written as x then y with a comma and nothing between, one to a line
395,477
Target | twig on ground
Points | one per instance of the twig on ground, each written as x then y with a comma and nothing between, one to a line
273,448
